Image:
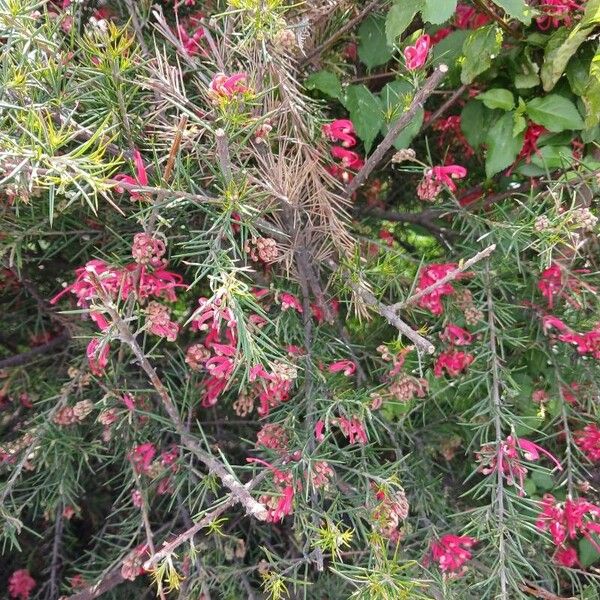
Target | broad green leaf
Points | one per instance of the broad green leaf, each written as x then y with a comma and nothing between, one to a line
399,17
365,112
517,9
479,49
437,11
578,74
503,146
588,555
591,134
372,47
450,48
555,113
591,16
326,82
528,75
561,47
498,98
543,481
552,157
475,119
591,94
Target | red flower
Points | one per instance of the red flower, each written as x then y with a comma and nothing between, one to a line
191,43
451,552
567,557
21,584
440,34
290,301
142,456
353,429
455,335
341,130
416,56
350,160
140,179
227,86
97,354
454,362
557,13
430,275
468,18
345,366
447,174
588,440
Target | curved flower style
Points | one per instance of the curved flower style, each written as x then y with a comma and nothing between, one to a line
341,130
141,177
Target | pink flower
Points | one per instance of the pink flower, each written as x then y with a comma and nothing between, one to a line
227,86
140,179
274,437
278,507
345,366
416,56
148,250
567,557
588,441
319,427
128,401
440,34
566,522
506,457
454,362
341,130
353,430
350,159
557,13
213,388
191,43
451,552
466,17
430,275
159,321
555,282
21,584
586,343
290,301
220,367
142,456
448,174
97,354
455,335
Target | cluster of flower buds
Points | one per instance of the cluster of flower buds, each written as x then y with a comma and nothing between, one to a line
70,415
262,249
415,56
148,250
159,321
390,511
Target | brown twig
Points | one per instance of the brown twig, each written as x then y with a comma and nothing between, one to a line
419,99
462,267
340,32
444,107
24,358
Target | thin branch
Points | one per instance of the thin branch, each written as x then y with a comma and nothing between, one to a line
24,358
462,267
239,491
418,101
497,405
444,107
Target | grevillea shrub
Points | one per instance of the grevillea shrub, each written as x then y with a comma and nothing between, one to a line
299,300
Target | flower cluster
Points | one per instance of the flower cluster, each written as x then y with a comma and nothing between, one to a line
588,441
21,584
429,276
507,457
451,552
390,511
567,521
280,504
557,13
223,88
586,343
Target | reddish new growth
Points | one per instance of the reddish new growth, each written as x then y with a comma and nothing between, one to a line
416,56
507,457
567,521
21,584
451,552
588,441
